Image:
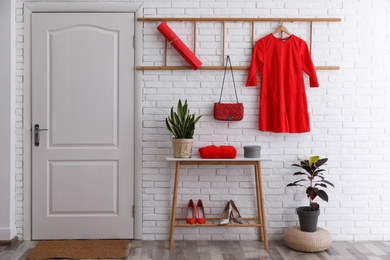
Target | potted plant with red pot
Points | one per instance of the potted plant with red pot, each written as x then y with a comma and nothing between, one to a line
314,180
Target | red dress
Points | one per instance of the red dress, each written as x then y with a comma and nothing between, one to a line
283,103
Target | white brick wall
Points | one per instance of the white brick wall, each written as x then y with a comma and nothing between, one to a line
350,119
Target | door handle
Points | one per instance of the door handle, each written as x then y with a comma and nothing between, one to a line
36,134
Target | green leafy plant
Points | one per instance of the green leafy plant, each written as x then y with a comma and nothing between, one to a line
315,179
180,123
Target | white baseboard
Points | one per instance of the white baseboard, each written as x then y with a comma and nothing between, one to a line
7,234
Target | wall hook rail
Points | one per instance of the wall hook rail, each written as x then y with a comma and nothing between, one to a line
224,20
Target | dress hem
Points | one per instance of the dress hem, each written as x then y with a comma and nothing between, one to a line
291,132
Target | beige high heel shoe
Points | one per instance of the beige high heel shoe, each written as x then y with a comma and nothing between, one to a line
226,214
235,214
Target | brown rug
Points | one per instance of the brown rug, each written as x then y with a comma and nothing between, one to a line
79,249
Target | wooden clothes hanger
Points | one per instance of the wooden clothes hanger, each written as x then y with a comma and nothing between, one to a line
281,29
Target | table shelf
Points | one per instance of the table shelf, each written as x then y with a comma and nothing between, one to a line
250,222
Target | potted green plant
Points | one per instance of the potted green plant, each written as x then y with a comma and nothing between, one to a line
182,125
308,216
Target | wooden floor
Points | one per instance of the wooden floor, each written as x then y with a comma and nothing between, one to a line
227,250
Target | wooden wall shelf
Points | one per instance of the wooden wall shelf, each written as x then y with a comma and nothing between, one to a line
242,19
218,68
224,20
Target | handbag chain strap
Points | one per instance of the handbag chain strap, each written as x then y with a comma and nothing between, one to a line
234,84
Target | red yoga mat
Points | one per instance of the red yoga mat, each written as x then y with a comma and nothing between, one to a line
180,47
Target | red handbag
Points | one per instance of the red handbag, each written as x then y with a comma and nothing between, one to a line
226,111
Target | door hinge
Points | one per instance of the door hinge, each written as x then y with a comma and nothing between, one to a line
133,211
133,41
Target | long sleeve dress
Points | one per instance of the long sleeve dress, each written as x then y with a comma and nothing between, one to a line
283,102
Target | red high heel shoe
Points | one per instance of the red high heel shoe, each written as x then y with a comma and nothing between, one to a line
201,216
191,209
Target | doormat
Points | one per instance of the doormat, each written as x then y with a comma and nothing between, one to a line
81,249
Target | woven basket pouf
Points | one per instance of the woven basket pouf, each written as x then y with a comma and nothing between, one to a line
317,241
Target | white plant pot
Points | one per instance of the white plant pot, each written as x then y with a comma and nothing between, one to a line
182,147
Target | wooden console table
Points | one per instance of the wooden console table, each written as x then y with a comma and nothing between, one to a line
214,222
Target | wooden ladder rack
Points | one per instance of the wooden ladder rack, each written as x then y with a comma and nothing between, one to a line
223,20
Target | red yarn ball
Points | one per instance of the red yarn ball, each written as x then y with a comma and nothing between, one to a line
223,151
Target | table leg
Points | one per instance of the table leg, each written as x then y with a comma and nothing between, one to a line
262,205
258,203
174,202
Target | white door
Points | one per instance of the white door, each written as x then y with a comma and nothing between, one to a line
83,93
